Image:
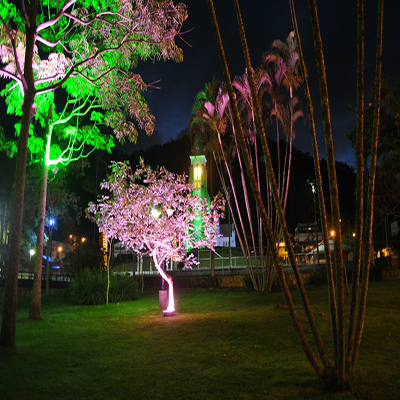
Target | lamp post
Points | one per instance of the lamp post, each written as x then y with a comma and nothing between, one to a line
31,253
52,223
314,192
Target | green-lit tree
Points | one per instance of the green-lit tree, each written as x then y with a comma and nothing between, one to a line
97,44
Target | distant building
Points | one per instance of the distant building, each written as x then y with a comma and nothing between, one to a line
319,254
306,236
225,232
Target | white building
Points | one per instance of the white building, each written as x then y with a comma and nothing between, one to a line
225,231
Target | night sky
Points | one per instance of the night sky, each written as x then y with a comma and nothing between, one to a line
264,22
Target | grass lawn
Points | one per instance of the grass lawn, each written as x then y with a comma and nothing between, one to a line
220,345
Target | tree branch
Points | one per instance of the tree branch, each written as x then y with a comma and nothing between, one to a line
17,64
54,20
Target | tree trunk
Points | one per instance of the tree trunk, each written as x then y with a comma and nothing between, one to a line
371,192
49,249
37,279
332,180
321,201
168,279
278,203
7,338
359,184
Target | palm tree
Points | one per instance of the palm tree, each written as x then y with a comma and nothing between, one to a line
205,122
285,58
201,133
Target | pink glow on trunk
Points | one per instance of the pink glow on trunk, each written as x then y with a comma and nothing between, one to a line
171,302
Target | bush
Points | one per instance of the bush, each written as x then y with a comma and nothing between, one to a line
90,287
123,288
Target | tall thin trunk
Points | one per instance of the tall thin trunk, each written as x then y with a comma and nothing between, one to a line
267,226
243,241
278,203
334,199
248,210
34,312
371,192
359,184
7,338
49,251
37,279
48,256
321,201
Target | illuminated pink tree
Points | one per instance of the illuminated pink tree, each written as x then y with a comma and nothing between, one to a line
156,213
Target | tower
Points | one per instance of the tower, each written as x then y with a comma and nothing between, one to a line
198,174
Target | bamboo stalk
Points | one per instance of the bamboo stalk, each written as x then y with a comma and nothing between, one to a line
371,192
277,200
267,226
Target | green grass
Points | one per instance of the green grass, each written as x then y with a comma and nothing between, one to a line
220,345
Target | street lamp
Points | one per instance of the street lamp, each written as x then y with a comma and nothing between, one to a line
314,192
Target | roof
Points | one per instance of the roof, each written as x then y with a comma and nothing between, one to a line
321,247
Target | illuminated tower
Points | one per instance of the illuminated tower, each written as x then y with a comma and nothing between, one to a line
198,175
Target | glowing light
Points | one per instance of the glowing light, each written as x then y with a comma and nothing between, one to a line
155,213
83,240
59,249
31,252
52,221
333,233
170,310
197,176
70,236
354,234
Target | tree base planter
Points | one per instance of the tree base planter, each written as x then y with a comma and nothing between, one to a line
163,299
168,313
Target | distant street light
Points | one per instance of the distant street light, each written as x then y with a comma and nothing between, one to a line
83,240
31,253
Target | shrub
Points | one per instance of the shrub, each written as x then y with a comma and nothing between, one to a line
90,287
123,288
